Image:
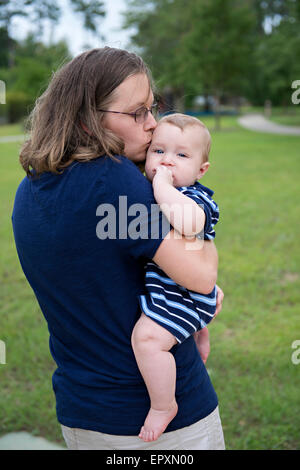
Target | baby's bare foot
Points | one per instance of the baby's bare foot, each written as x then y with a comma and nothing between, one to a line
156,422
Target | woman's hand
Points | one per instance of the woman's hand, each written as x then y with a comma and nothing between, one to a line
201,338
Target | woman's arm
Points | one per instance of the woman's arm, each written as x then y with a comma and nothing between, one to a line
191,263
184,214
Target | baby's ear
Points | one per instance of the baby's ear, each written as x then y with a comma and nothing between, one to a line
203,169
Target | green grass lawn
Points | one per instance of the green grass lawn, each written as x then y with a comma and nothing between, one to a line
11,129
287,120
256,182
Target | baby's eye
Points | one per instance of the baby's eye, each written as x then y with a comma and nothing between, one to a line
158,151
181,154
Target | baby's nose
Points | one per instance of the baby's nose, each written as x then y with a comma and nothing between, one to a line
167,159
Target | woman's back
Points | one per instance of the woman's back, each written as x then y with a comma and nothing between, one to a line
87,289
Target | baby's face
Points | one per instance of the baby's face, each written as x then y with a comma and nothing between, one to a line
179,150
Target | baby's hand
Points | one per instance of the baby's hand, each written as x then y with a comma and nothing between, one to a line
163,173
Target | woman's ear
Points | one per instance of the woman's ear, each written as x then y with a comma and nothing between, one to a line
203,169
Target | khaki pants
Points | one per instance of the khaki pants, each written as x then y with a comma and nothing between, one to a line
206,434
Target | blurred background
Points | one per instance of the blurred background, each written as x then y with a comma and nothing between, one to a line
236,65
204,55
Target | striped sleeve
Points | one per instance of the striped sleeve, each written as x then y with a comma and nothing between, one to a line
202,196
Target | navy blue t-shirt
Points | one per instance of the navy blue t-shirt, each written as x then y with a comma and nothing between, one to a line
72,236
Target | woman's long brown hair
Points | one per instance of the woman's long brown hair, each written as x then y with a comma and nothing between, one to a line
66,124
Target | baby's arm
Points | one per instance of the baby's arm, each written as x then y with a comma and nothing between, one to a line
184,214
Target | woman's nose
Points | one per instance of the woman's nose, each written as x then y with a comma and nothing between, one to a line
150,123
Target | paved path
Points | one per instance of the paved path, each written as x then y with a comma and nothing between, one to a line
24,441
12,138
258,123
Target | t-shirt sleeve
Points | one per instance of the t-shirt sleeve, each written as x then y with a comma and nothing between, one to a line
130,214
211,210
196,196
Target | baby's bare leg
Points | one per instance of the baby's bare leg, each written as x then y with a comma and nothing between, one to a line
151,344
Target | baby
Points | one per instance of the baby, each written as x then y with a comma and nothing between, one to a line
176,159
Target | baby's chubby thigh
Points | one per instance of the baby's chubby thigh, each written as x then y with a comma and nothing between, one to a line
149,336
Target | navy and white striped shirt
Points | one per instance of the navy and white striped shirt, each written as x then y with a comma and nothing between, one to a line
180,311
203,196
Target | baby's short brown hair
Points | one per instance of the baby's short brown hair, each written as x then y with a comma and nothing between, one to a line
182,121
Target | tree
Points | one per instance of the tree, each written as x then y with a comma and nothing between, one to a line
202,46
38,12
217,48
91,11
26,66
160,25
28,78
276,63
220,47
5,42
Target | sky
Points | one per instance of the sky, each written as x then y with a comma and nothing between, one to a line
70,28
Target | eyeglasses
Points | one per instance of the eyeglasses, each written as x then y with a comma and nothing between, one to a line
140,115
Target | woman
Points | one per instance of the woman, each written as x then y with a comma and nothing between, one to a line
90,130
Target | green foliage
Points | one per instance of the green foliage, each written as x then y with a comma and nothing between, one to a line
231,47
158,36
28,77
218,44
276,65
39,11
5,42
17,105
91,12
26,67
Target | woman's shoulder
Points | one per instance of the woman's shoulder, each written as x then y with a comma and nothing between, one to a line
116,166
121,164
114,176
125,174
